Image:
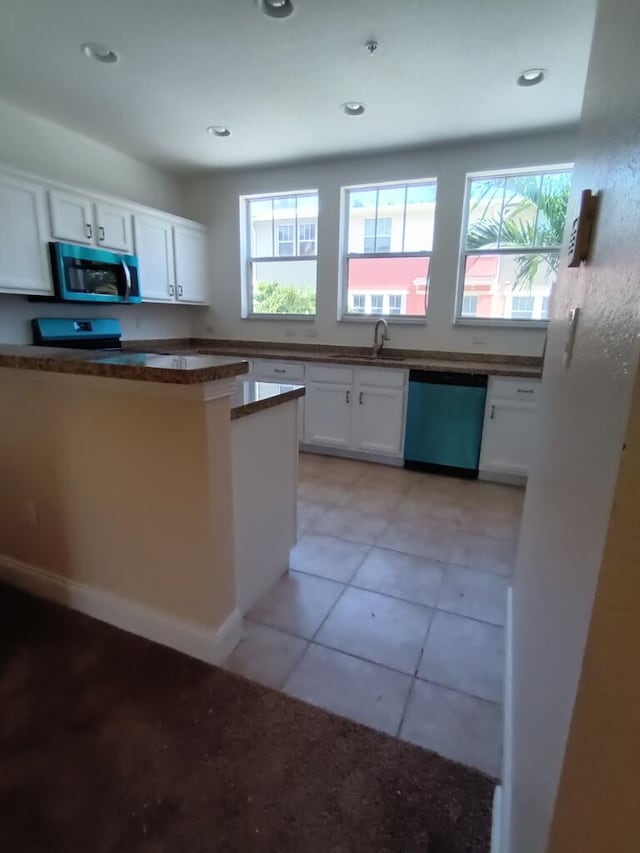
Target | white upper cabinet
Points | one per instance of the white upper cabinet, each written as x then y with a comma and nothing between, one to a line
24,262
154,248
113,228
71,217
191,249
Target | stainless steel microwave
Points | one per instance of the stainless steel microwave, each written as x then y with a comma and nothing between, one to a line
88,274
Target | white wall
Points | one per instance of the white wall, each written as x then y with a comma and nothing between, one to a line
139,322
40,147
584,410
214,199
34,144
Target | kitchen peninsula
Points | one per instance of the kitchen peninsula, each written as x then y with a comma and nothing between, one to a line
128,488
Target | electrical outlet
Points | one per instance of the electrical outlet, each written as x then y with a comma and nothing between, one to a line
138,322
479,341
31,513
311,333
289,333
208,327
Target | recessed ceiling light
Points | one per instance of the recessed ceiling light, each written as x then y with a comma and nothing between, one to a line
353,108
218,130
531,77
100,53
276,8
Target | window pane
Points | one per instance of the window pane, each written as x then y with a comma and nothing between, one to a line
497,280
552,210
469,305
362,210
406,278
485,206
358,302
287,287
272,225
419,218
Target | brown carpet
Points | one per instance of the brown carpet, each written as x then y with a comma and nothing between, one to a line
112,743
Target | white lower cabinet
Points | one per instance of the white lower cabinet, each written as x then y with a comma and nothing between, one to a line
327,417
510,428
361,409
378,420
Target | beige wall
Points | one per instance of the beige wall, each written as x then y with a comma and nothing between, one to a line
597,805
131,491
584,410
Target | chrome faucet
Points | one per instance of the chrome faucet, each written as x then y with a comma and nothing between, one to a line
379,344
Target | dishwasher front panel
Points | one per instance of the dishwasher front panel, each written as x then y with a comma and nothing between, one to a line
445,414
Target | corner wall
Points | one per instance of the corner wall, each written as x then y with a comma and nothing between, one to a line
560,575
215,199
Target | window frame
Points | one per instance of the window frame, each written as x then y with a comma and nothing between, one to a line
459,319
345,315
248,259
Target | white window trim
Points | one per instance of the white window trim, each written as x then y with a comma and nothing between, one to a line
247,259
344,314
458,318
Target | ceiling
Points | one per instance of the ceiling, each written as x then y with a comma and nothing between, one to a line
445,69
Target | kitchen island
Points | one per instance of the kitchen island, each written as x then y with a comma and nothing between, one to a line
119,480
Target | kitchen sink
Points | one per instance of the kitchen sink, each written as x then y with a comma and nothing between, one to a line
366,359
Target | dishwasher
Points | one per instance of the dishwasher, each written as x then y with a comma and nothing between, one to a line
445,414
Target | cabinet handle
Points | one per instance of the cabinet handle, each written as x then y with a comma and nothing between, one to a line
493,413
525,390
89,230
172,290
361,398
180,291
279,370
348,396
101,230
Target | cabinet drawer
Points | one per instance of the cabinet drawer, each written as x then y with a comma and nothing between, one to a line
381,377
267,369
508,388
327,373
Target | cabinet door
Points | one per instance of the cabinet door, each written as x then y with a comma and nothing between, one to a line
191,247
71,217
24,265
114,228
154,248
508,436
327,414
378,419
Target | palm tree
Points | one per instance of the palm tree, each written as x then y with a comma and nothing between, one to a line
532,216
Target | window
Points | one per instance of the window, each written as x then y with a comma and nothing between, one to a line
281,254
377,303
377,234
469,305
522,307
513,232
389,239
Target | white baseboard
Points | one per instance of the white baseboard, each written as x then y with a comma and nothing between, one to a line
496,820
501,827
502,477
210,645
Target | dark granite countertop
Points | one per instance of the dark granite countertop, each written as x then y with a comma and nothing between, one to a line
177,369
456,362
251,396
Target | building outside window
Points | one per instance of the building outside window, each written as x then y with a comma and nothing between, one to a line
514,225
389,240
281,254
358,303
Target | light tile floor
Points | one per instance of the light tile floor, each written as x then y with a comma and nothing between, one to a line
393,611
